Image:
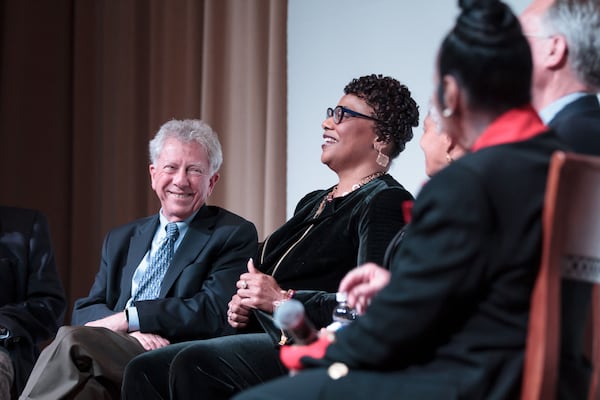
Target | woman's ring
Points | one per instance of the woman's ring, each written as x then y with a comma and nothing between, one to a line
244,285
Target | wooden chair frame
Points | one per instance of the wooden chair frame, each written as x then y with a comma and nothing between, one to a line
572,197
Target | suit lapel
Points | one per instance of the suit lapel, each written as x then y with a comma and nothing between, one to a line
138,246
198,234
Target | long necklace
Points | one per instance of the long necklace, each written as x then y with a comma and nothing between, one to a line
330,196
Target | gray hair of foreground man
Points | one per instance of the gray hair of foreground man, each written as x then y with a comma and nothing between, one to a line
187,131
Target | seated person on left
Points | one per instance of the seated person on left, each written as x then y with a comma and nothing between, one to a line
32,300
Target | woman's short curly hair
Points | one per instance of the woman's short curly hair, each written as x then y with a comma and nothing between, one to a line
395,109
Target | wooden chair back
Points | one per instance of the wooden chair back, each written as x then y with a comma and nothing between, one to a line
570,256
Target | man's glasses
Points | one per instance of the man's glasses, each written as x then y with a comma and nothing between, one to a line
538,36
339,112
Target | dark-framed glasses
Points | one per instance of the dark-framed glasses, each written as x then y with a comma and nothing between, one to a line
339,112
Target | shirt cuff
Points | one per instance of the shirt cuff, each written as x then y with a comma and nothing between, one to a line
134,319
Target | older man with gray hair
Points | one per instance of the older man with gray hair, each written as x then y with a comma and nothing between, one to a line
565,46
563,35
164,278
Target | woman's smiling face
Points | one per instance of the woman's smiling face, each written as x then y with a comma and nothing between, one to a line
350,142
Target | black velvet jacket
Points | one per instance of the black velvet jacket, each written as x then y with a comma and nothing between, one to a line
311,255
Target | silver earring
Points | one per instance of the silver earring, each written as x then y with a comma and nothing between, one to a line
449,158
382,159
447,112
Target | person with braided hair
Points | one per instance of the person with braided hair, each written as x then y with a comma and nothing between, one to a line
447,317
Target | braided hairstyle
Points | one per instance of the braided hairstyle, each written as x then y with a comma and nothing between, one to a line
395,109
489,57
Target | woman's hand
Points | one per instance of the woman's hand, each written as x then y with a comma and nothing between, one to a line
258,290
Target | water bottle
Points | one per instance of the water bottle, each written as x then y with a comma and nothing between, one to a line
343,314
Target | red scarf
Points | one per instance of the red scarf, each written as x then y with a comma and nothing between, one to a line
514,125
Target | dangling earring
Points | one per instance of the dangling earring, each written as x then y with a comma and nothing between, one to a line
449,158
447,112
382,159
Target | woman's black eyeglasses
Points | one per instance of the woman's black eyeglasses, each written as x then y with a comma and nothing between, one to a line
339,112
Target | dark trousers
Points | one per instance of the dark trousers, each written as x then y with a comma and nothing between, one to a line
320,384
205,369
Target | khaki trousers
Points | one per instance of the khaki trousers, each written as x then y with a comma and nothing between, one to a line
83,363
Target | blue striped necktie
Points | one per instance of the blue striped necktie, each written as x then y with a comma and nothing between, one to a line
149,287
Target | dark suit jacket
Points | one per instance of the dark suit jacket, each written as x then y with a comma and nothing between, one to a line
452,322
197,286
32,301
578,124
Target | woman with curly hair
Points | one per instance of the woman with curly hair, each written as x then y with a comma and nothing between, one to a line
332,231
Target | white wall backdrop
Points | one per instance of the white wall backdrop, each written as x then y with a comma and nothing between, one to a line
331,42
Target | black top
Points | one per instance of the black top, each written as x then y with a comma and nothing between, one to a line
312,255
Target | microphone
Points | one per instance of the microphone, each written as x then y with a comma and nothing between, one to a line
290,316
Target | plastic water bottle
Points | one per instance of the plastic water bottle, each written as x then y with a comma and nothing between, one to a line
343,314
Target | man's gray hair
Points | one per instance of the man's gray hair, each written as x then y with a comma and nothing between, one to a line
579,22
187,131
